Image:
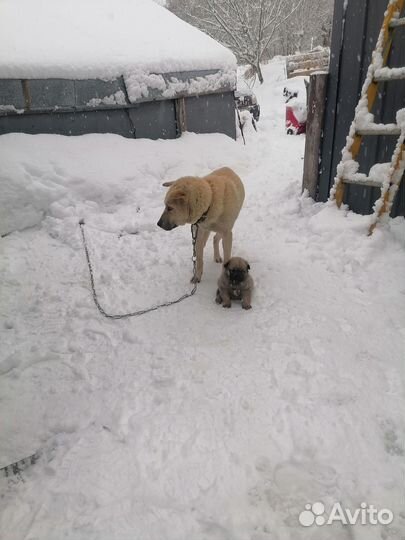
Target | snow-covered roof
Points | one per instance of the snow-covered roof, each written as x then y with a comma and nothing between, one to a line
83,39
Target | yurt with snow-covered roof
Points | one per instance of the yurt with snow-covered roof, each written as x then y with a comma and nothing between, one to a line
110,66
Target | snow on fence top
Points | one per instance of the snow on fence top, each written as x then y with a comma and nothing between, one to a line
308,63
105,39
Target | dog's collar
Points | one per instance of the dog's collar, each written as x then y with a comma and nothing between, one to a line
203,217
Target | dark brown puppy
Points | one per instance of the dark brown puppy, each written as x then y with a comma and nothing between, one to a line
235,283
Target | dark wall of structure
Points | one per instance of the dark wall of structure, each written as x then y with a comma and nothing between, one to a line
353,40
65,107
69,123
214,113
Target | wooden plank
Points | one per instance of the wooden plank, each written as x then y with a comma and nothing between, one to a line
380,129
181,115
393,100
316,110
365,182
306,64
394,74
26,92
306,72
397,22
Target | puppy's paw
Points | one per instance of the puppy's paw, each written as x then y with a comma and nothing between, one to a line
218,300
246,306
195,279
226,305
218,259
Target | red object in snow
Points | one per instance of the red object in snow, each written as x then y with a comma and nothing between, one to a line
293,126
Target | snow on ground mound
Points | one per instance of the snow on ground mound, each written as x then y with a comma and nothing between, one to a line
85,39
67,176
194,422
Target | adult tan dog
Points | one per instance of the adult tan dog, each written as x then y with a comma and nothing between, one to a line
213,201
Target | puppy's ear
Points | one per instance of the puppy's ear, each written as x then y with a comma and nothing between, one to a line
226,264
168,184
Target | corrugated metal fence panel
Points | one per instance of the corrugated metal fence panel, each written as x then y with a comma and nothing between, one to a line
75,107
93,89
211,113
359,43
49,93
68,123
351,52
11,93
328,138
154,120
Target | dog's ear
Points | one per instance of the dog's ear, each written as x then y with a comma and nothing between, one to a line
168,184
226,264
179,196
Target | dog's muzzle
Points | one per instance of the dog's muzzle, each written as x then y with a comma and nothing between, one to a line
236,277
165,226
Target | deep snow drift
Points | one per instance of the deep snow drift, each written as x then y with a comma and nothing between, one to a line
84,39
193,422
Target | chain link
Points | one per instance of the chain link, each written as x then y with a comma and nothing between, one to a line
19,466
194,231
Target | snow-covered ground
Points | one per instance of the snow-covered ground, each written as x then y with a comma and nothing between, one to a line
194,422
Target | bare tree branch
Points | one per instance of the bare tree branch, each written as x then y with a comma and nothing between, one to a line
256,29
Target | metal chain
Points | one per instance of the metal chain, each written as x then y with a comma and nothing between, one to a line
241,127
19,466
194,230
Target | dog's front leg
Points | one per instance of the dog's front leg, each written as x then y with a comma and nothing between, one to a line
246,299
226,299
227,244
218,297
217,255
202,237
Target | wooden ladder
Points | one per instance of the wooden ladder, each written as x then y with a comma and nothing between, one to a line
386,176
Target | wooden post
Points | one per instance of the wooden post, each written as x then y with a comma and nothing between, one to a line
181,116
316,109
27,94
